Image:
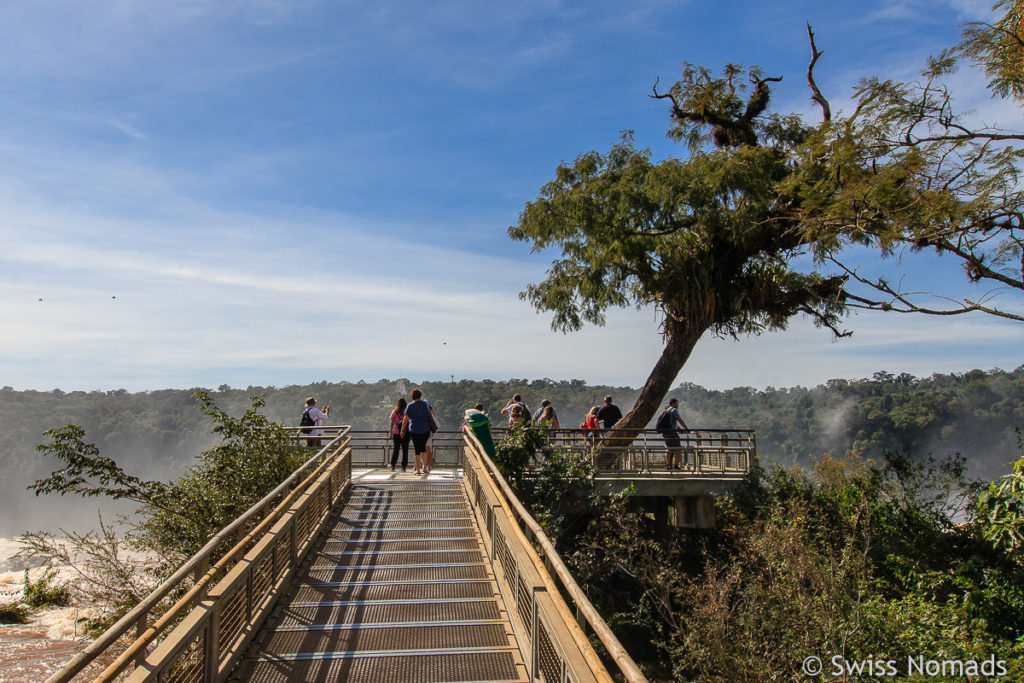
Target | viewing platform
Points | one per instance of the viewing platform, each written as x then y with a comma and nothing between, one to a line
712,461
350,572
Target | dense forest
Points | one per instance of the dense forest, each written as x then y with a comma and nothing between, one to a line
156,434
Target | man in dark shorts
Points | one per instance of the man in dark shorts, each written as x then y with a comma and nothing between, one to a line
667,426
417,423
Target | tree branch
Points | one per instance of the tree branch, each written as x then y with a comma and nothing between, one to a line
826,110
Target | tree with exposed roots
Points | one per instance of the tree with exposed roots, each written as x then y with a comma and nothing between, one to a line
712,240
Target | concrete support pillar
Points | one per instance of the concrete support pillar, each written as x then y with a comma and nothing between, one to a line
658,507
693,512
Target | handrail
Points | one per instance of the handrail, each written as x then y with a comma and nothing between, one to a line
208,642
705,452
608,639
138,616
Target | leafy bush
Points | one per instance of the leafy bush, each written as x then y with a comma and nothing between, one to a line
43,593
174,519
850,558
1001,509
520,445
13,613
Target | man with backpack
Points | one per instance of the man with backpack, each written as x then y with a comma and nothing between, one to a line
666,425
312,417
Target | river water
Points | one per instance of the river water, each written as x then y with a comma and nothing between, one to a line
33,651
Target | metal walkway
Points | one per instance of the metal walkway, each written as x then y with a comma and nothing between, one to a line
399,589
369,576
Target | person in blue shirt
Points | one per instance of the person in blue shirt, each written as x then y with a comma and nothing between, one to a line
417,423
669,432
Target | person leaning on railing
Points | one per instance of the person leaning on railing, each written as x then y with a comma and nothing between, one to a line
547,415
591,427
666,425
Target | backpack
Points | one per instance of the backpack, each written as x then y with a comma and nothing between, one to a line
664,422
306,421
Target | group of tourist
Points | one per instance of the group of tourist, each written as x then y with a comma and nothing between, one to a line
416,421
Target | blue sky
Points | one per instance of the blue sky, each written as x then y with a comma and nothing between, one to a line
213,191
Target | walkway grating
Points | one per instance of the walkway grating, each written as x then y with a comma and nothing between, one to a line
399,589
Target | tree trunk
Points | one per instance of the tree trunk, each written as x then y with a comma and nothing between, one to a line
678,348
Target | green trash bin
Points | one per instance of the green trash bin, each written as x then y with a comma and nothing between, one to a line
481,426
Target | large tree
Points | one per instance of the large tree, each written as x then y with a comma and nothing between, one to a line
708,240
711,240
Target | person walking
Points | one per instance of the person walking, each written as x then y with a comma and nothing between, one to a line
435,426
666,425
400,441
417,424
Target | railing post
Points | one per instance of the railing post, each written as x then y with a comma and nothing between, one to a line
140,628
534,640
201,569
213,642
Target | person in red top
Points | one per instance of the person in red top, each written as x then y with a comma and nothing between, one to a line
591,425
397,416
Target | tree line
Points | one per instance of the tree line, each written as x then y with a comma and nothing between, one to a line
157,434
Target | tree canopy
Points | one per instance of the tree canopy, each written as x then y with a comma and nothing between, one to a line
712,240
709,240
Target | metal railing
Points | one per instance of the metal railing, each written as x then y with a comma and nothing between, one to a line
703,452
553,641
284,522
374,448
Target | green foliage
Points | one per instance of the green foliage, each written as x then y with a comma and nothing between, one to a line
1001,511
254,456
709,240
520,445
677,234
13,613
908,171
998,48
43,593
849,558
559,493
174,519
86,472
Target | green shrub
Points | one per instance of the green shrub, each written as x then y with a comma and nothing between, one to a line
174,519
14,613
520,445
43,593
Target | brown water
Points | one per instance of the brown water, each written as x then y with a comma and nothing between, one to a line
28,654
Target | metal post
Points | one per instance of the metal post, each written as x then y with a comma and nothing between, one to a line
213,643
140,628
534,640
